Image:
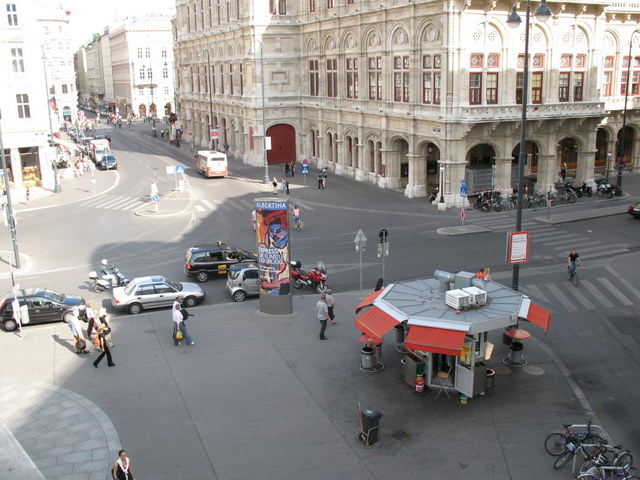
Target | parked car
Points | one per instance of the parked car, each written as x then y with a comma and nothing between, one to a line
153,292
634,210
44,305
203,261
243,280
107,162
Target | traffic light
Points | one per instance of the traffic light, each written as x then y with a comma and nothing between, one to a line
384,233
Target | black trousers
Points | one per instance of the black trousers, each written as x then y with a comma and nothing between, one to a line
323,327
106,352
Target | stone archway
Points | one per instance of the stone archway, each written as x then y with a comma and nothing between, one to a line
530,168
432,155
568,149
624,150
283,144
479,174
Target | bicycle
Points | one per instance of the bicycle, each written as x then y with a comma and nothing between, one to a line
596,454
298,223
572,274
608,473
556,443
622,458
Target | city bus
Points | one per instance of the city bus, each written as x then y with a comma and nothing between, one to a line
211,163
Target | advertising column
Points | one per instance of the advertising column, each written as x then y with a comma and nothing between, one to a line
272,237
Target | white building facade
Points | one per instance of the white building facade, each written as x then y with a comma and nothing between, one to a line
408,95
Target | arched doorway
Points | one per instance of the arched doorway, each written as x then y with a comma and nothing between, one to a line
479,174
283,144
402,149
432,154
602,150
568,153
530,168
627,147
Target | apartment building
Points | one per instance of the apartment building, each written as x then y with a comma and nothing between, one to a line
411,95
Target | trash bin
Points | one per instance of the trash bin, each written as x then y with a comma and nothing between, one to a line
399,329
491,378
371,425
367,358
377,352
516,352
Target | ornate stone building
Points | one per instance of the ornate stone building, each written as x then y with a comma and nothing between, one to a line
406,94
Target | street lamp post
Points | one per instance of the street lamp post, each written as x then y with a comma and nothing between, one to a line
153,118
56,187
264,120
210,100
620,157
542,14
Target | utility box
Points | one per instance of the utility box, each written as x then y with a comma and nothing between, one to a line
478,296
457,299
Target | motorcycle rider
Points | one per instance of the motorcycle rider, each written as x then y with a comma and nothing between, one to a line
107,272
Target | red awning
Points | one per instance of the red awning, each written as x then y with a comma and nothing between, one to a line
436,340
375,323
368,301
539,316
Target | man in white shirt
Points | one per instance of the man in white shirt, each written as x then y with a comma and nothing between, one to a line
323,315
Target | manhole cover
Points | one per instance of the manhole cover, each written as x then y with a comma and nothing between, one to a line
585,333
400,435
531,370
590,382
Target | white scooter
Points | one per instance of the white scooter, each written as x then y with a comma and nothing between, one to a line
99,284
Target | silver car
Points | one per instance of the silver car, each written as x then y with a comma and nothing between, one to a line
243,281
154,292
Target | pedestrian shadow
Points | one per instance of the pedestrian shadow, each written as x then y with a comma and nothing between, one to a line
63,343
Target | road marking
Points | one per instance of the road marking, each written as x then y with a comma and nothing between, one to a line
561,297
596,293
582,299
535,292
119,204
614,291
199,208
208,204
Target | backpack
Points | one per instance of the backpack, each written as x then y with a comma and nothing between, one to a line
185,314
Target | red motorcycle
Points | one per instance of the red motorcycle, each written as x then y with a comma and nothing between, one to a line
315,278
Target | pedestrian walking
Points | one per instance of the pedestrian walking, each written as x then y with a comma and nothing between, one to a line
323,314
293,168
28,196
330,304
179,325
161,133
79,344
91,316
563,171
275,186
320,181
154,195
296,217
103,318
101,344
122,468
287,169
324,178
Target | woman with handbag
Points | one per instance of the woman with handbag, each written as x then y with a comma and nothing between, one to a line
122,468
101,344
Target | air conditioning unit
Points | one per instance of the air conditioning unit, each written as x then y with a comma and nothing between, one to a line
457,299
478,296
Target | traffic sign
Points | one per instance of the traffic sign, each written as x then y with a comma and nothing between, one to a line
155,198
462,214
463,188
179,168
304,169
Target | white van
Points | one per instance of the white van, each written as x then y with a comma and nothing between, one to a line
211,163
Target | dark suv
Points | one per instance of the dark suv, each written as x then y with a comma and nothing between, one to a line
44,306
214,259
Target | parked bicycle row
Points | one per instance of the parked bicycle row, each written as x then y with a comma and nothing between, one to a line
498,200
591,456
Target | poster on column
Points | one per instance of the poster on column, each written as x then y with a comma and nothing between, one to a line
272,237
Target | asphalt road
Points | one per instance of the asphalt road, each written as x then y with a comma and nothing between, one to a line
595,331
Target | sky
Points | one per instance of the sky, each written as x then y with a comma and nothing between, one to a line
92,16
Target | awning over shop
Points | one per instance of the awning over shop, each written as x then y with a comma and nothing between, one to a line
435,340
375,323
368,301
68,145
539,316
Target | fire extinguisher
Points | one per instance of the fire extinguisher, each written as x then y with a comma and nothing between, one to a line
420,382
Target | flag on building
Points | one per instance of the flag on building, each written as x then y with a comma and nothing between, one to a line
52,104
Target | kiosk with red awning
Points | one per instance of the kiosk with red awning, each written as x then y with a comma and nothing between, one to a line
448,318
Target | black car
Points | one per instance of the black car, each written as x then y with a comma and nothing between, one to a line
107,162
44,305
634,210
203,261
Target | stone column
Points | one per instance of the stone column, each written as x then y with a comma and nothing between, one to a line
417,186
503,173
339,159
391,164
610,165
547,172
584,170
363,168
635,155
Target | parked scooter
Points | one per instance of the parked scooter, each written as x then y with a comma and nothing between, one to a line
584,189
604,187
315,278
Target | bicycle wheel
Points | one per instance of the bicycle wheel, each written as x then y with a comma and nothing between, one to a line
593,440
568,455
497,207
574,279
555,444
623,459
572,198
589,476
587,465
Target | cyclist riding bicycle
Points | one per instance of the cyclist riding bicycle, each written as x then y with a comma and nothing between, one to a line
572,260
296,217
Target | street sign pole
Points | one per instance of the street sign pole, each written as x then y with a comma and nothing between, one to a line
383,247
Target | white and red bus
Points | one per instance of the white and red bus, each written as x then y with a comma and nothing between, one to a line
211,163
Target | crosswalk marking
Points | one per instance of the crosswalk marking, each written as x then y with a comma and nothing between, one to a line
114,202
593,290
582,299
199,208
616,293
568,306
535,292
239,205
208,204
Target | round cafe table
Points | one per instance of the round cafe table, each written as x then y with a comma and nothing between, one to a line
515,358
